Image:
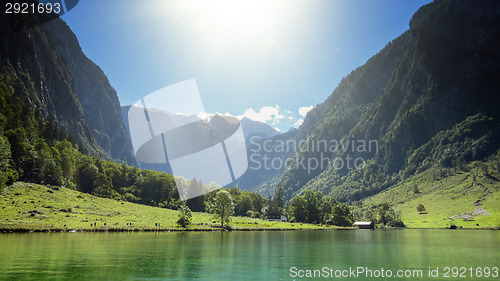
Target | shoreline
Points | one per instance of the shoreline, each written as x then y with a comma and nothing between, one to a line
22,230
58,230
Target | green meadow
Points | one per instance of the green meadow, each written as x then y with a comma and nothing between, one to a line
33,207
468,199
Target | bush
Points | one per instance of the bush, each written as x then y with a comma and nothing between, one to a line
131,197
255,215
185,216
421,208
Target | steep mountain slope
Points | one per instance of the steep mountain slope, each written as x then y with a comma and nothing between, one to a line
46,67
266,162
99,100
428,99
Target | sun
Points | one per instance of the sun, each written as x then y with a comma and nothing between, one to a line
230,18
235,13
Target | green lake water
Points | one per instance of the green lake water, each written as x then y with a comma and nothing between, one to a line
269,255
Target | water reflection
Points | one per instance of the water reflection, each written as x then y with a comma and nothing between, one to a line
236,255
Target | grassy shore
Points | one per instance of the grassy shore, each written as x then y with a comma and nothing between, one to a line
461,199
33,207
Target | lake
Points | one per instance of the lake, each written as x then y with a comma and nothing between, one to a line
272,255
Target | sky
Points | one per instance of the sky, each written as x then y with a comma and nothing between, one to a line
268,60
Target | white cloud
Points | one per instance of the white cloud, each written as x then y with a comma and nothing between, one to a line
207,115
277,129
272,115
298,123
303,110
266,114
203,115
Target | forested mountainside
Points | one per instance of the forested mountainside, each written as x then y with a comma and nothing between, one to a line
429,99
45,67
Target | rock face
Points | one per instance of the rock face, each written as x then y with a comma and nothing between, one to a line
60,81
99,100
429,99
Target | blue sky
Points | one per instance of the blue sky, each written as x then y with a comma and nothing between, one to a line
270,60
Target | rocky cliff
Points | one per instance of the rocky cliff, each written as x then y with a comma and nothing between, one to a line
54,76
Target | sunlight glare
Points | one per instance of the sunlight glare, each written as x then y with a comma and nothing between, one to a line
231,18
227,13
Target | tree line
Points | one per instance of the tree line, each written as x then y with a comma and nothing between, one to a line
311,207
314,207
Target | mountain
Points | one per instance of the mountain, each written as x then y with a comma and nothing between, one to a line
169,120
46,68
427,101
250,127
258,129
